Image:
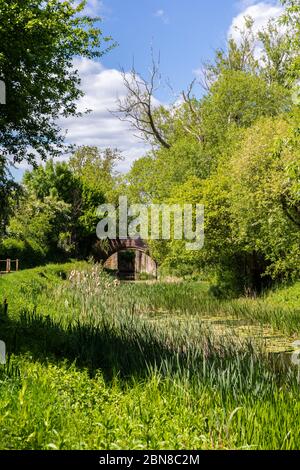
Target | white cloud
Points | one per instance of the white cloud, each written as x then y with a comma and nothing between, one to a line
162,15
95,8
261,13
159,13
102,87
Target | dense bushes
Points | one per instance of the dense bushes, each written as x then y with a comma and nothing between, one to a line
30,254
56,216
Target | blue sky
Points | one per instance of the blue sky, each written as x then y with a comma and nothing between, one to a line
185,33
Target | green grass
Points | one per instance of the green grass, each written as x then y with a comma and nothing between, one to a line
285,296
98,365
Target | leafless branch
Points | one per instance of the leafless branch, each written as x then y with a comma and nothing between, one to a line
137,107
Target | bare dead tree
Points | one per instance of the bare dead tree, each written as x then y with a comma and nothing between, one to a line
138,106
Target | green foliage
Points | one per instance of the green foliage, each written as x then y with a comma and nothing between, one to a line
235,150
237,100
36,228
91,198
36,64
261,199
53,178
29,252
251,225
173,253
9,192
58,209
238,57
291,19
96,168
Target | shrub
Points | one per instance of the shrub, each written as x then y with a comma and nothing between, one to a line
28,252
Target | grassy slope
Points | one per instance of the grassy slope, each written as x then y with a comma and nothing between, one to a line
287,296
23,288
90,369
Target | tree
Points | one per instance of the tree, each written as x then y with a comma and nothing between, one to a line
264,208
138,107
96,168
59,180
53,178
155,123
276,55
291,19
80,185
267,53
290,195
38,230
9,192
172,254
236,100
38,41
236,57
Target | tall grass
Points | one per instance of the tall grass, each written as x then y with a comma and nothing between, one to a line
95,364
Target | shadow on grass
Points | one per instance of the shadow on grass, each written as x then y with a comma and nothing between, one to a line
130,352
113,351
